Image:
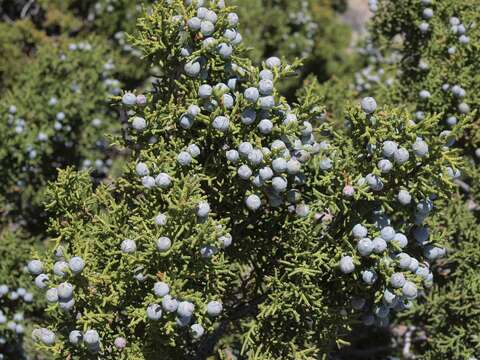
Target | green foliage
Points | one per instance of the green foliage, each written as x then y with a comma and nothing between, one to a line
19,301
450,314
436,60
307,29
48,122
279,280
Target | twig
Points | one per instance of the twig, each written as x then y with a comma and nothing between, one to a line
26,8
207,346
408,343
464,186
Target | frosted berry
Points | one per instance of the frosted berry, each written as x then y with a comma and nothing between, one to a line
397,280
169,304
273,62
401,156
369,105
409,290
404,197
346,265
128,246
400,239
253,202
214,308
185,309
359,231
387,233
75,337
139,123
232,155
163,244
129,99
365,246
142,169
51,295
221,123
265,126
161,289
76,264
120,342
154,312
184,158
385,165
197,331
251,94
35,267
41,281
203,209
369,276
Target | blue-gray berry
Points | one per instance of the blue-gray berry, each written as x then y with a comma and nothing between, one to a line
186,121
65,290
203,209
279,184
75,337
197,331
385,165
161,289
244,172
185,309
346,265
244,149
35,267
401,156
142,169
279,165
409,290
251,94
154,312
51,295
163,244
369,105
139,123
379,245
214,308
365,247
253,202
120,342
129,99
76,264
248,116
128,246
397,280
265,126
389,148
169,304
163,180
184,158
273,62
221,123
255,157
359,231
232,155
369,276
192,69
400,239
266,102
387,233
404,197
207,28
225,50
41,281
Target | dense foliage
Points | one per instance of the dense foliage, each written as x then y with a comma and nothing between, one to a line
237,179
